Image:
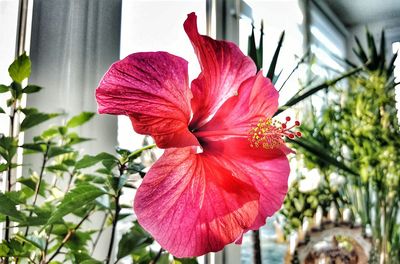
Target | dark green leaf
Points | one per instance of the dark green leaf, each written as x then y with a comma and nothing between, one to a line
133,240
29,111
303,95
80,119
7,207
321,154
185,261
31,89
56,151
20,69
16,90
4,88
272,66
88,161
37,147
35,119
78,197
2,110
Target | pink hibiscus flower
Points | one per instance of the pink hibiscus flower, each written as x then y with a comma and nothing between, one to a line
224,169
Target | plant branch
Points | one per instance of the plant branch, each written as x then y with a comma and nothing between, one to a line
100,232
114,226
68,236
39,183
157,257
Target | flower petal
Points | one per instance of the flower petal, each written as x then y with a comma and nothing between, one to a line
257,98
192,205
266,169
152,89
224,67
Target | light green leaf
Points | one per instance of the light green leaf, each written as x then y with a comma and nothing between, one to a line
33,240
3,167
35,119
20,69
31,89
7,207
4,88
80,196
80,119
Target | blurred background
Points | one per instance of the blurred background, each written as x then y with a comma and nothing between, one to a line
343,202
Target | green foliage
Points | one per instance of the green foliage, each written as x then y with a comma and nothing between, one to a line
55,201
359,127
20,69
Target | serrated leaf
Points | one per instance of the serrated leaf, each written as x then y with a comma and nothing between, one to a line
7,207
35,119
77,198
4,88
31,89
80,119
20,69
88,161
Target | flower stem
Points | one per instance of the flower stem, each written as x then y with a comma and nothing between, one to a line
256,247
115,217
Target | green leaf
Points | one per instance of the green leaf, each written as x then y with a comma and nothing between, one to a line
305,94
31,89
35,119
272,66
80,119
4,88
321,154
3,167
91,261
77,198
7,207
2,111
4,249
185,261
29,110
20,69
33,240
16,90
135,239
88,161
56,151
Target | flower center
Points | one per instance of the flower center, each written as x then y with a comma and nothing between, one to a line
269,133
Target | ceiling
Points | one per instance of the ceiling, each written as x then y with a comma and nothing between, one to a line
355,12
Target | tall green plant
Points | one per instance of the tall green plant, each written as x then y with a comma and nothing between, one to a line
47,219
361,130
